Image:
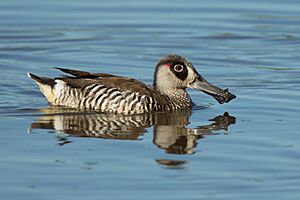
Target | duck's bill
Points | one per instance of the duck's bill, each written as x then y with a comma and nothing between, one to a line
222,96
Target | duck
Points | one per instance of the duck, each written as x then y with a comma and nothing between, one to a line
123,95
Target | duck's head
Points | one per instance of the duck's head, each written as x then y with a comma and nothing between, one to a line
175,72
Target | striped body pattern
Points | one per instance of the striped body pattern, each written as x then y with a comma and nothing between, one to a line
106,99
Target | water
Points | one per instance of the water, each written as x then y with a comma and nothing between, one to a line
246,149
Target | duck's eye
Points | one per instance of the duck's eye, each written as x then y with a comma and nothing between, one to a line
178,68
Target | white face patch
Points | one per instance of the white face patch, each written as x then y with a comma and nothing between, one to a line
190,77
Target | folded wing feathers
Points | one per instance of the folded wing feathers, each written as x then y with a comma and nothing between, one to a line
83,74
83,78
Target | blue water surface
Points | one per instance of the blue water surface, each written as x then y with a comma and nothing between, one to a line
246,149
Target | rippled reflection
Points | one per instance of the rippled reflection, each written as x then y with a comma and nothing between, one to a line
170,129
171,164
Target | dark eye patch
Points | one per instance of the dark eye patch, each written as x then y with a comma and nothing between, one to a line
180,70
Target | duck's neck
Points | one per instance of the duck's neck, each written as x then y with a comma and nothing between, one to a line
177,98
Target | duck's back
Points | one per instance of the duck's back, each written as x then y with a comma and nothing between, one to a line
101,92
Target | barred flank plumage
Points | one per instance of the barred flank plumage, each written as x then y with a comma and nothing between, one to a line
105,99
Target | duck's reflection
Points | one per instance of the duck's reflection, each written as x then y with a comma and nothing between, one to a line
176,138
170,131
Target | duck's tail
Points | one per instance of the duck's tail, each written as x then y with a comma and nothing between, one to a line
46,85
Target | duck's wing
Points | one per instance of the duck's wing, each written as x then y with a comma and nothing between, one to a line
82,79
